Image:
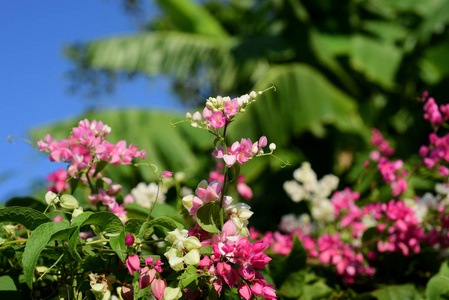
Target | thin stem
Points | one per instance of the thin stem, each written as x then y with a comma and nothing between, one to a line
56,262
14,242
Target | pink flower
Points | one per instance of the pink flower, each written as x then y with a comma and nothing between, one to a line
217,120
167,174
129,239
231,107
245,291
133,263
245,191
158,288
57,219
147,276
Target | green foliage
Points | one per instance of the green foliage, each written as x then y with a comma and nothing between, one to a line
438,287
164,222
397,292
208,216
28,217
36,243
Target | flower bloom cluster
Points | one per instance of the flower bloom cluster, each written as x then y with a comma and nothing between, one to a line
220,111
391,171
235,261
148,275
242,151
87,146
83,150
88,142
306,186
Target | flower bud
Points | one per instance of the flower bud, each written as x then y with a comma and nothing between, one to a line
196,116
51,198
187,201
10,231
192,243
67,201
175,259
192,257
76,212
253,94
188,115
272,147
172,293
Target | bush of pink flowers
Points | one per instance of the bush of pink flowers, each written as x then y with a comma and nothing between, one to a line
90,239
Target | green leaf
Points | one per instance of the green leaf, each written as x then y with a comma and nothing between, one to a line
206,250
438,284
100,166
293,286
8,288
63,235
81,218
364,58
192,17
164,222
35,244
28,202
133,225
28,217
118,245
208,216
188,276
316,290
397,292
7,284
296,260
74,184
106,221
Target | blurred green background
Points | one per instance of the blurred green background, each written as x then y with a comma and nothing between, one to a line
339,68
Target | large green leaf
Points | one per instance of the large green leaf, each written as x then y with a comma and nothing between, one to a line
437,285
192,17
175,53
365,54
303,99
36,243
28,217
397,292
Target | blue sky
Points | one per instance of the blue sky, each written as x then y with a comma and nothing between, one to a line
33,90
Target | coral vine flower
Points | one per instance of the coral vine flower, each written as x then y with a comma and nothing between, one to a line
158,288
129,239
133,263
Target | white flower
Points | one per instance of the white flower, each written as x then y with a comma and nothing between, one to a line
295,191
172,293
51,198
323,211
67,201
239,214
306,176
76,212
145,195
327,184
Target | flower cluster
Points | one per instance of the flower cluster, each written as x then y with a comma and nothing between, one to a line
306,186
392,171
86,146
221,110
148,275
235,261
242,151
